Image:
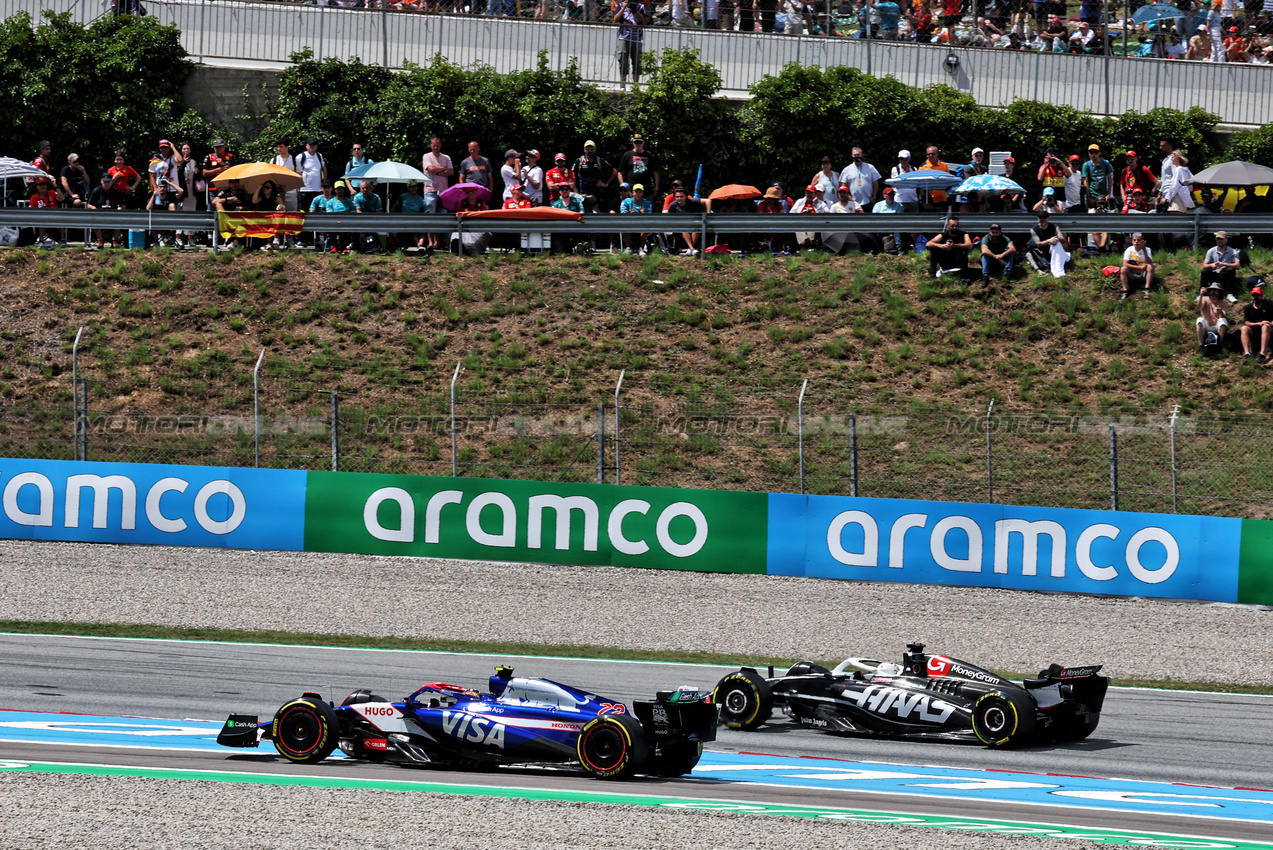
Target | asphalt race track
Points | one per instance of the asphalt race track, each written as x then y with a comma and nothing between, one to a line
1147,736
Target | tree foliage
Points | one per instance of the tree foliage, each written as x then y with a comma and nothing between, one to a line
112,85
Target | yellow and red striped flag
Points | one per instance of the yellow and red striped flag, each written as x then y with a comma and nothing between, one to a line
261,225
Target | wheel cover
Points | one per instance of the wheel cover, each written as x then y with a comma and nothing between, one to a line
995,719
300,730
605,748
736,700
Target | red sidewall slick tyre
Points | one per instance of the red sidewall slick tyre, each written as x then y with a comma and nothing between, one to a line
612,746
1003,719
746,701
305,731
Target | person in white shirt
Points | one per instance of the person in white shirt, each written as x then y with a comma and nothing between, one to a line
533,178
907,197
827,180
438,165
862,178
509,172
285,159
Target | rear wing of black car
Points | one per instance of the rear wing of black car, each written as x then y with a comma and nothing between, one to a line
1083,684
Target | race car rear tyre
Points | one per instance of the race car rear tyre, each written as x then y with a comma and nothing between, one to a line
305,730
612,746
746,701
677,759
1004,719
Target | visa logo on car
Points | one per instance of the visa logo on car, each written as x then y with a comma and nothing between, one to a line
902,704
466,727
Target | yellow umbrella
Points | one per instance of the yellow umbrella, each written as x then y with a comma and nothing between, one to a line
252,174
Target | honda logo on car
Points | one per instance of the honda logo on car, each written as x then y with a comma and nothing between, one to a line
901,704
956,543
509,523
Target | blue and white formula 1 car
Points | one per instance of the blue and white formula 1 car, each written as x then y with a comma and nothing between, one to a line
521,721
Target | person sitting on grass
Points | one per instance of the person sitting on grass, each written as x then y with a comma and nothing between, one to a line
1257,323
998,255
1138,267
1212,324
948,250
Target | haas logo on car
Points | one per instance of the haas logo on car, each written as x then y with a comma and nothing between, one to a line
938,666
901,704
477,730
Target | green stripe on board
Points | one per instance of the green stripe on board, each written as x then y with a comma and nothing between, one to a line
1255,562
1000,827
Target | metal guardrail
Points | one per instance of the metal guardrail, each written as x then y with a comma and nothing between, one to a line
931,222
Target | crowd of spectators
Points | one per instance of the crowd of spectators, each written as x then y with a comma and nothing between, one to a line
1205,30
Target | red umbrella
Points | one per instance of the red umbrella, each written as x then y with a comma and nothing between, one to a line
735,192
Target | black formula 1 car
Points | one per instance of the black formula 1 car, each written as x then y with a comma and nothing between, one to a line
930,696
521,721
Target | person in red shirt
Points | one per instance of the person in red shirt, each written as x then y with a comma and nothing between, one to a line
559,175
126,179
1136,176
45,198
518,201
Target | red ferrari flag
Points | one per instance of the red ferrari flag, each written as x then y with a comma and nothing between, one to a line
261,225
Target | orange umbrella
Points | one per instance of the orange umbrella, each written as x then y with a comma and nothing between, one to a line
252,174
735,192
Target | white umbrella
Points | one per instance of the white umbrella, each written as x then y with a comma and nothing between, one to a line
1235,173
10,167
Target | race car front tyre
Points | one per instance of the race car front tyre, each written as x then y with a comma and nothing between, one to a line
612,746
746,701
1004,719
305,730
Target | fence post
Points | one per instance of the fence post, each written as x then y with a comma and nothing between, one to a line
322,25
617,466
990,471
75,394
601,442
454,466
384,31
1175,495
83,418
853,454
800,430
335,434
256,409
1113,467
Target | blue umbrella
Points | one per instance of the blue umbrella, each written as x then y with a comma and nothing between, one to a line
1156,12
387,172
926,179
988,184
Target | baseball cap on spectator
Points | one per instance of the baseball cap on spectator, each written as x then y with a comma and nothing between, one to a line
561,157
508,154
1131,153
625,185
1220,234
844,187
1074,157
310,141
220,143
826,159
888,190
1202,29
773,194
637,138
1233,29
1009,159
326,183
411,183
1257,290
532,152
519,186
1093,147
1217,287
903,154
107,177
164,143
1049,191
811,188
1138,191
677,184
45,144
590,144
640,187
777,184
976,151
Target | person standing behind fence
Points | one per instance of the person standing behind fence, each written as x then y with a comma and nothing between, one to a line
105,197
74,180
312,168
188,178
125,176
630,16
214,163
